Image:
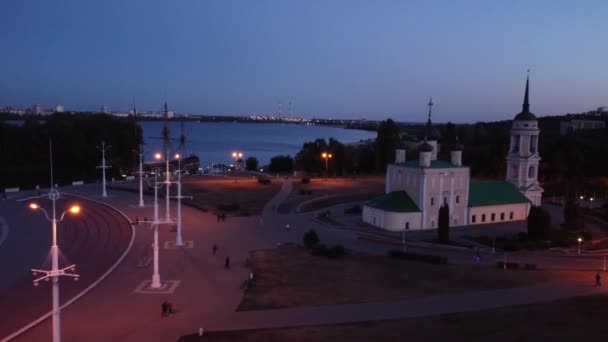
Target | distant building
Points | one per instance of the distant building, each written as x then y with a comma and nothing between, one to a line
59,108
37,109
104,109
416,189
567,127
170,114
602,110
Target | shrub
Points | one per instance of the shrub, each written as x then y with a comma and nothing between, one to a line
510,265
311,239
305,180
433,259
530,267
323,250
263,180
228,207
355,209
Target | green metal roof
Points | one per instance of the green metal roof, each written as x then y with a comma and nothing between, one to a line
396,201
435,164
494,193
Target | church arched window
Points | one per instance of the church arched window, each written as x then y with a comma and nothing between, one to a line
514,173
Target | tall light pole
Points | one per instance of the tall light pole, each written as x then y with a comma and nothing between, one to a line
156,283
141,176
579,244
178,238
236,156
159,156
326,156
55,272
103,167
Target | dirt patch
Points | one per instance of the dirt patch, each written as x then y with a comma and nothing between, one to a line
291,277
577,319
209,192
336,191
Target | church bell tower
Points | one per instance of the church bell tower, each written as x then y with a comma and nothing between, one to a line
523,156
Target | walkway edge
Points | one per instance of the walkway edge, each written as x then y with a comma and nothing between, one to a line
3,230
90,287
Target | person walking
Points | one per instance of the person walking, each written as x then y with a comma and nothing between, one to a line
214,248
598,280
165,308
227,264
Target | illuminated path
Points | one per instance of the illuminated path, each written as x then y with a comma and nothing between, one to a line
93,241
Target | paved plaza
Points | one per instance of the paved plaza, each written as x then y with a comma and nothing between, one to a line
205,295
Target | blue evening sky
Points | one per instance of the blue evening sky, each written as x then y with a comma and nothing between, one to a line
330,58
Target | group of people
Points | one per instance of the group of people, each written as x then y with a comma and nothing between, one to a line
221,217
167,308
226,262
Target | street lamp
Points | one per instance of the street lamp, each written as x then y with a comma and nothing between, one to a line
103,168
579,244
591,203
141,176
326,156
55,272
159,156
178,238
236,156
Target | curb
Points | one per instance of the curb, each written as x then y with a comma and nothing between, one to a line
90,287
3,230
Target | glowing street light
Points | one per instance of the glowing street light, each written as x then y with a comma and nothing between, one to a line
159,156
326,156
236,155
579,244
55,272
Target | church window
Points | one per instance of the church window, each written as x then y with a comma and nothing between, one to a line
493,217
457,199
510,215
483,217
432,224
515,143
432,200
531,172
474,218
514,171
407,225
502,216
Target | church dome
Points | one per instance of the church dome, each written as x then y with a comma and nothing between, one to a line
525,116
425,147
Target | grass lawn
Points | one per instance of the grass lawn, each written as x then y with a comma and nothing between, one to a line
290,277
576,319
339,190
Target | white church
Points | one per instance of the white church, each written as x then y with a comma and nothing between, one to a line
415,189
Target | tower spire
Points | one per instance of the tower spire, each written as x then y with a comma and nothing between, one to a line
526,105
430,104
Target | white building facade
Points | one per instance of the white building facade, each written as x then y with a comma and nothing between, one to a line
416,189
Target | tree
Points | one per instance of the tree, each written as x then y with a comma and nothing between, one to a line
310,239
388,136
444,224
539,223
251,163
281,164
573,218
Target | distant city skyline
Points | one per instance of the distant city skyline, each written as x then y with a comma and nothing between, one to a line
338,59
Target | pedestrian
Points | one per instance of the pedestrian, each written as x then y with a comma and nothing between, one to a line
287,227
218,217
136,219
224,217
598,280
214,248
164,307
169,308
227,264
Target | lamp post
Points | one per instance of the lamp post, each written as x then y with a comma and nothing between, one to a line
326,156
591,202
580,203
103,168
141,176
55,271
579,244
236,156
403,239
159,156
156,284
178,238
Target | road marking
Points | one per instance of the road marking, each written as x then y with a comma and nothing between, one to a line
3,230
167,287
171,244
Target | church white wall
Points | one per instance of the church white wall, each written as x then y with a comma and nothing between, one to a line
391,221
445,185
502,213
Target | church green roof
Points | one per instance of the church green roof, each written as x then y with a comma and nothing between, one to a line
396,201
435,164
494,193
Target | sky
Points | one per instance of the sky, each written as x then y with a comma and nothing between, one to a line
330,58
